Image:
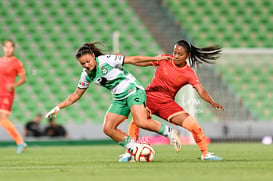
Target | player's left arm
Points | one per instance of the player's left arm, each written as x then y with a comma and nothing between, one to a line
22,79
205,96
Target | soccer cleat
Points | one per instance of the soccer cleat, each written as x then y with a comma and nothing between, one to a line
211,156
126,157
21,148
175,140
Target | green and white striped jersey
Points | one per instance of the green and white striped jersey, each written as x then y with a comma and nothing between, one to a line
110,74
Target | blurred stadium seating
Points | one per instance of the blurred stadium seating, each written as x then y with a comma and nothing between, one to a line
48,32
230,23
249,73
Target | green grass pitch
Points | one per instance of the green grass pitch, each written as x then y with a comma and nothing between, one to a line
243,162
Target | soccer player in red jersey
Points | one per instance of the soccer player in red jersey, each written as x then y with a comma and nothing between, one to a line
10,68
169,77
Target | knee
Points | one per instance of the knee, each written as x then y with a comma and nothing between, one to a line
4,116
108,130
179,118
191,124
141,123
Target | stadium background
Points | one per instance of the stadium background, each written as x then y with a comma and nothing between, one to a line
47,34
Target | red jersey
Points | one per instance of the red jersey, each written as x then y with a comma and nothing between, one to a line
168,79
9,69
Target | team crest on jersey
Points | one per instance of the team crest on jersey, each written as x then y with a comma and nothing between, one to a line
104,70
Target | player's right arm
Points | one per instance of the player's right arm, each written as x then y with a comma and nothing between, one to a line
82,86
67,102
72,98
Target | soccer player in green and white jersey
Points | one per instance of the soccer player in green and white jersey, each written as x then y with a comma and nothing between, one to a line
128,94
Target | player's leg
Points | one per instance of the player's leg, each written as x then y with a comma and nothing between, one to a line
6,102
110,128
111,122
10,128
136,103
12,131
188,122
117,113
139,116
133,130
174,113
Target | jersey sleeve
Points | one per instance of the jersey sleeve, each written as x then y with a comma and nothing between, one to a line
84,82
113,60
19,68
193,79
156,63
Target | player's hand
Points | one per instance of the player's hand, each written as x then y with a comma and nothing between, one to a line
168,58
10,87
218,106
52,112
149,113
118,53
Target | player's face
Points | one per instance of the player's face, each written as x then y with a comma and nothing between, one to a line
8,49
180,55
88,61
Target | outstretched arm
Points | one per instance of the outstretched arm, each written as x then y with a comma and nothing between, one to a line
205,96
143,64
144,60
70,100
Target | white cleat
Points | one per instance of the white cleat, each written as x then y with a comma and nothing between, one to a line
175,141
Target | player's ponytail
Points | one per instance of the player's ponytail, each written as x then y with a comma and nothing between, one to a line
89,48
200,55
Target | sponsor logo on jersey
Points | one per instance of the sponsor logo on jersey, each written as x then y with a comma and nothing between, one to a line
102,80
104,70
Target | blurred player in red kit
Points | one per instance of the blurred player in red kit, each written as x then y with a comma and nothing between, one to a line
10,68
169,77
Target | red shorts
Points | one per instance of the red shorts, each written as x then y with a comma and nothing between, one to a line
6,101
164,109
